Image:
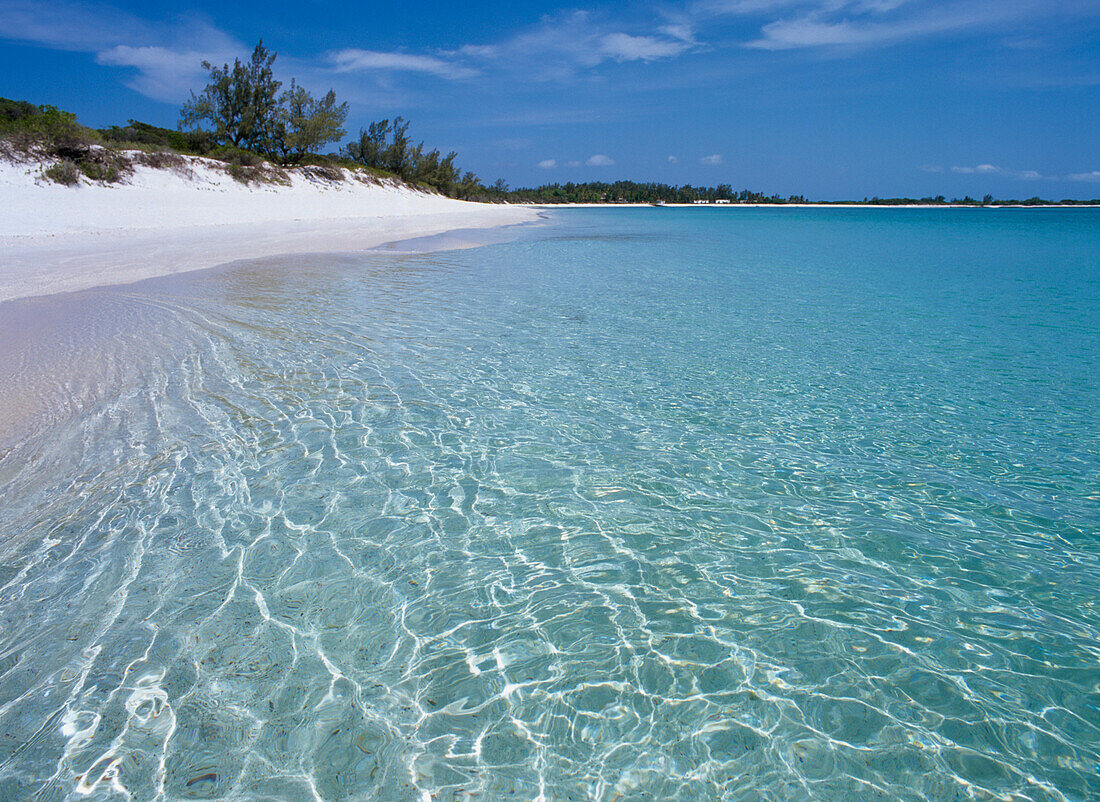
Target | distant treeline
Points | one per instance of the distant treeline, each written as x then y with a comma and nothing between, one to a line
639,192
648,192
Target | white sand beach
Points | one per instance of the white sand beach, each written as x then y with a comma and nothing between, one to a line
169,220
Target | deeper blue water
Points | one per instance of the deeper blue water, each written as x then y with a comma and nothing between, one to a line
645,504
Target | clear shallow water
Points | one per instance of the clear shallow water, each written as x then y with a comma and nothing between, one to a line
650,504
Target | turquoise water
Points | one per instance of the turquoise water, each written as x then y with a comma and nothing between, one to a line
646,504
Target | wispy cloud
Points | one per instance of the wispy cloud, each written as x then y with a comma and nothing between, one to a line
71,26
561,45
992,169
742,7
981,168
1093,177
791,24
163,55
162,74
600,160
672,160
547,164
513,143
624,47
833,24
167,56
712,160
355,60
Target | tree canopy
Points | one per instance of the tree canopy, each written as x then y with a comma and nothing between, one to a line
240,102
306,124
385,145
243,106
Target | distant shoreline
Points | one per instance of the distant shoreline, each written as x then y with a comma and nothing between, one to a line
819,205
196,215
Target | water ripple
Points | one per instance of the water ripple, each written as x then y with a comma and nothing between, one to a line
472,525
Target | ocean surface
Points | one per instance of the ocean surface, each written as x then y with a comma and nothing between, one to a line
653,504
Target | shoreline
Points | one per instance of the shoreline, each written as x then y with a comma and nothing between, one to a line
807,206
161,222
195,216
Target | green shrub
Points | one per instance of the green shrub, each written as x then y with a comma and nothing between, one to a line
236,156
105,166
263,174
245,175
99,172
325,172
64,172
13,110
160,159
135,133
44,131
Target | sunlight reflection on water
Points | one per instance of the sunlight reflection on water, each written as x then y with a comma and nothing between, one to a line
645,505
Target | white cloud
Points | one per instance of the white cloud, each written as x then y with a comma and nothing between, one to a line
167,56
838,23
355,60
599,160
573,164
163,74
624,47
1094,176
713,159
672,160
513,143
741,7
930,168
479,51
564,44
992,169
547,164
71,26
981,168
679,30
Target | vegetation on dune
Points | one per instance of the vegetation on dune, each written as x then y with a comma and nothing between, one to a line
48,133
243,106
386,146
241,103
304,124
243,109
142,136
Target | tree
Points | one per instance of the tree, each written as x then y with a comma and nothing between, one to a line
305,124
241,103
397,157
469,186
372,143
13,110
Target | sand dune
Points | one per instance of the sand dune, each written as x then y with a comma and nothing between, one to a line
163,221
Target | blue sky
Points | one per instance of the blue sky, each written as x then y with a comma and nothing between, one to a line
831,98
